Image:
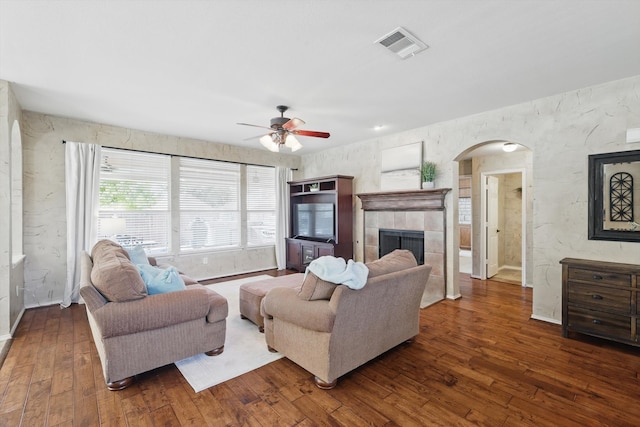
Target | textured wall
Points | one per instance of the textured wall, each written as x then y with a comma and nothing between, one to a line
561,131
512,220
44,201
11,263
5,209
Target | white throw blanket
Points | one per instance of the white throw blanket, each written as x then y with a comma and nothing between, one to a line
336,270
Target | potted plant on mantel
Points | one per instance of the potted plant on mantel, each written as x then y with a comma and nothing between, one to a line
428,174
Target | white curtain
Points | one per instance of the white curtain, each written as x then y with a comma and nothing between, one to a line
82,178
282,215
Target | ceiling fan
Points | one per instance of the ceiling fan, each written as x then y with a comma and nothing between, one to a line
283,131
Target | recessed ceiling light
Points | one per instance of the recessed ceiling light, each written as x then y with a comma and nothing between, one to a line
378,127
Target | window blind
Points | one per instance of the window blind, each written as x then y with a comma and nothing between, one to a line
134,199
261,205
209,204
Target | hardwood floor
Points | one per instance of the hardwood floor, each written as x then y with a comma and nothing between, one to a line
479,360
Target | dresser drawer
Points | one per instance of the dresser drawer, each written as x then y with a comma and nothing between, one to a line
599,276
599,297
600,323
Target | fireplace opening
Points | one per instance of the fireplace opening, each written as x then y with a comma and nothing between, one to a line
389,240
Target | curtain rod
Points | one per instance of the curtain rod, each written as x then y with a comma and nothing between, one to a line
180,155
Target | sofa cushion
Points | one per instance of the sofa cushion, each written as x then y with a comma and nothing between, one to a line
314,288
104,246
397,260
115,277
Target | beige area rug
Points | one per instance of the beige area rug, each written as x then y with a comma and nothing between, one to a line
244,350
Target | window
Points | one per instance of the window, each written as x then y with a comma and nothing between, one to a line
261,205
134,199
213,200
209,204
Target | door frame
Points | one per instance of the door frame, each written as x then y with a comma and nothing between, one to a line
483,220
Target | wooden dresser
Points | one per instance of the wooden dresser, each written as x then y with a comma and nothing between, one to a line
601,299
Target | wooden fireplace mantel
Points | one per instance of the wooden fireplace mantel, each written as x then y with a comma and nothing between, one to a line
411,200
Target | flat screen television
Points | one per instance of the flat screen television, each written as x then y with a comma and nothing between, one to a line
314,221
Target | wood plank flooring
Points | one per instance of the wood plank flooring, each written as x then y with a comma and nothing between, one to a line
479,360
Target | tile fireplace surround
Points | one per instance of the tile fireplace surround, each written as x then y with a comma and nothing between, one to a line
414,210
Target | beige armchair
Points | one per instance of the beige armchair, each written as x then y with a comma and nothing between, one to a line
330,337
134,332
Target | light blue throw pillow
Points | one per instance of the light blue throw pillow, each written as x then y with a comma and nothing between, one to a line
138,255
161,281
148,272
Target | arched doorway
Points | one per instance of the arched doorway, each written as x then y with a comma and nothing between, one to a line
511,171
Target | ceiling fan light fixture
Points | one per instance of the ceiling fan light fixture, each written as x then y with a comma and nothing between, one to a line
268,143
509,147
282,132
293,143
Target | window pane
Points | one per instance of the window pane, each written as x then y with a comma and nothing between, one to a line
261,205
209,204
134,199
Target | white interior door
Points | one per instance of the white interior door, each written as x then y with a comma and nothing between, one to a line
492,226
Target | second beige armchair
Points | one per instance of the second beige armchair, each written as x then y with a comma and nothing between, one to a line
346,328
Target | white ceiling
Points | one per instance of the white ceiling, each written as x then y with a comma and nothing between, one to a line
196,68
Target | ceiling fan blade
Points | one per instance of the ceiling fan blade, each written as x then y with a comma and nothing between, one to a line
311,133
255,126
255,137
293,123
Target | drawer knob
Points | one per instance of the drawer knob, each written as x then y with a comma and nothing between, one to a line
596,322
597,277
596,296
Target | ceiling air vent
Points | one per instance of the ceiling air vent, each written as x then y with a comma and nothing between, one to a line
402,43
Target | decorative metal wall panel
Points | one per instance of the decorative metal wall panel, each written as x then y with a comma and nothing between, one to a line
621,197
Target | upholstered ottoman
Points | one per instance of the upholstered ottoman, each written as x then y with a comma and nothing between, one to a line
251,295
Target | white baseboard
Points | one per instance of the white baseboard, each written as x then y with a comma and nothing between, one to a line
454,297
546,319
13,327
58,302
17,322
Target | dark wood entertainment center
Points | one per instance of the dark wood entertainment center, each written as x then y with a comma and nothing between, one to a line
336,190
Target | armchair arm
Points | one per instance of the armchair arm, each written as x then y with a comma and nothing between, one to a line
218,306
284,304
93,299
153,312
